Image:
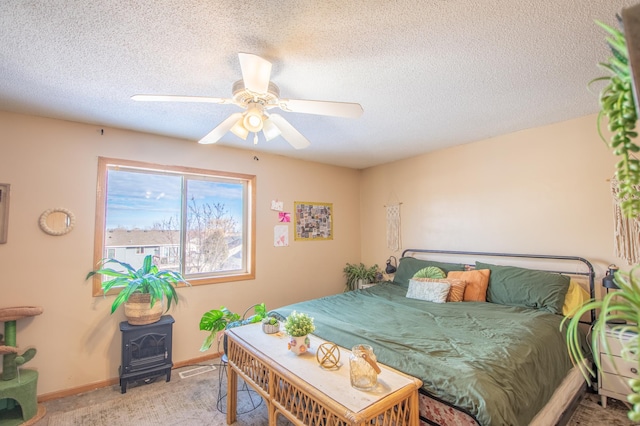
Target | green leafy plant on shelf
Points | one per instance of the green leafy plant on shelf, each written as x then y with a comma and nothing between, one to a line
217,320
359,272
618,106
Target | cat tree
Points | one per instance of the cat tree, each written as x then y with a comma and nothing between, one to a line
18,388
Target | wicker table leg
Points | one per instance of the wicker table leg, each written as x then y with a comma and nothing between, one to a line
232,394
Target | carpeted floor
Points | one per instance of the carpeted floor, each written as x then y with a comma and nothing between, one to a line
192,400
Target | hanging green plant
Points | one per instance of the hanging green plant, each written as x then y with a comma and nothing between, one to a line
618,105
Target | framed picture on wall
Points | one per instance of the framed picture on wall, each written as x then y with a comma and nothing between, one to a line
313,221
4,212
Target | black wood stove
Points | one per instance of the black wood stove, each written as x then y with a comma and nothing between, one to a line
146,351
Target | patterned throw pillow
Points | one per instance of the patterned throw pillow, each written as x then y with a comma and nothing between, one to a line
432,290
456,291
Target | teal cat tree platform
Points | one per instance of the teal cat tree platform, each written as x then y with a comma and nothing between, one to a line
18,387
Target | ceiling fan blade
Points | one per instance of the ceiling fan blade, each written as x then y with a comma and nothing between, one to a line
289,133
220,130
256,72
177,98
336,109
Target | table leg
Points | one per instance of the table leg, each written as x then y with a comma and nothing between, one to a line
603,401
414,410
232,394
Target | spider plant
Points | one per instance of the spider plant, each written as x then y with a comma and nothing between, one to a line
355,272
616,306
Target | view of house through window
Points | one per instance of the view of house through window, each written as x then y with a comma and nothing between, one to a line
197,222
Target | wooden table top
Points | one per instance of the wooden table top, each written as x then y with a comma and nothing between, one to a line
335,384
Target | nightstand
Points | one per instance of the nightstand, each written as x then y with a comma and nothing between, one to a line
367,285
612,381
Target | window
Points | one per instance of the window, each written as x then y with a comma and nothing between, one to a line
198,222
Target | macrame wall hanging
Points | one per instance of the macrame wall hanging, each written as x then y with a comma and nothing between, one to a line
394,241
626,230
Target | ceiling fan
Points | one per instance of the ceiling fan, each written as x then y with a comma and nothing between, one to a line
257,95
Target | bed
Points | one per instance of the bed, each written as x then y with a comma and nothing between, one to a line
497,362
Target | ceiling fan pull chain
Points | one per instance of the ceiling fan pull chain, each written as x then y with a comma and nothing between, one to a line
255,139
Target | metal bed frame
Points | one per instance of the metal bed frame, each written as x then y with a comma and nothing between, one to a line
590,274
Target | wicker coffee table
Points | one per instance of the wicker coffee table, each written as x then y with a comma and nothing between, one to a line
306,394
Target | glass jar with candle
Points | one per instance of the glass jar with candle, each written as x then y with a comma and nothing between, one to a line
363,368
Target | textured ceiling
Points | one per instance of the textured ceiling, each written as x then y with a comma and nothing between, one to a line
428,73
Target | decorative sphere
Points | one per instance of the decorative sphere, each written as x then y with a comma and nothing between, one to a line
328,355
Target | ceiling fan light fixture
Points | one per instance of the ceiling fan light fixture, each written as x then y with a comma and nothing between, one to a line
252,120
239,130
270,130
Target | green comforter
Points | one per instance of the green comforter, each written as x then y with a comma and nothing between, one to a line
499,363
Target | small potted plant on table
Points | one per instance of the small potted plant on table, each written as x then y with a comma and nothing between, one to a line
270,325
298,326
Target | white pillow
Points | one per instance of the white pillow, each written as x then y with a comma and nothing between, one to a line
428,290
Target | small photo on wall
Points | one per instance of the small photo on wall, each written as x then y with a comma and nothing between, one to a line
284,217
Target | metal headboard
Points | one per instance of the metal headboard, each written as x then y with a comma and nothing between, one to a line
590,274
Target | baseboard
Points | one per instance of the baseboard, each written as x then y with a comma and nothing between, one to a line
110,382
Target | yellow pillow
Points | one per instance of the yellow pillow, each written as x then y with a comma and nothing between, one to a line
576,297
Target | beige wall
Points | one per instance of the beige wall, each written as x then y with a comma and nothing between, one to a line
541,190
52,163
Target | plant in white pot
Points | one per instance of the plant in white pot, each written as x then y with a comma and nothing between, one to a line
298,326
270,324
358,275
142,291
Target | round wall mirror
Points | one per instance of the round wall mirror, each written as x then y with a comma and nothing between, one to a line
57,221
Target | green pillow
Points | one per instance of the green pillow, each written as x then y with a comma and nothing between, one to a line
430,272
530,288
408,266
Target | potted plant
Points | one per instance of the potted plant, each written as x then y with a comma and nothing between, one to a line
618,105
298,326
270,324
143,290
217,320
358,275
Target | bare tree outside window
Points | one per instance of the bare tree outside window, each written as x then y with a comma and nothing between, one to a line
211,232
